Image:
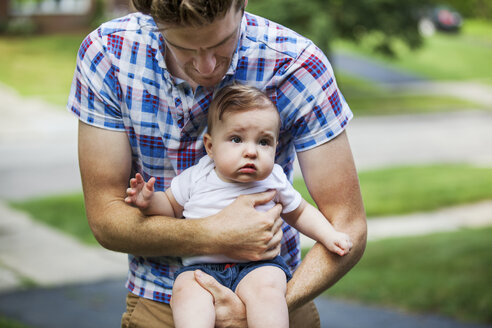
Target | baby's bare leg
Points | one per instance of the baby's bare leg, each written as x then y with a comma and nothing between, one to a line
263,293
191,304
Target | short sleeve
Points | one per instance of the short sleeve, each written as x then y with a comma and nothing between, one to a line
181,185
286,194
95,94
316,110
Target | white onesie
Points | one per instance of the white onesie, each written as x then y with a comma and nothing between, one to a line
202,193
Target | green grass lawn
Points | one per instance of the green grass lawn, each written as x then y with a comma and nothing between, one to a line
64,212
8,323
445,273
403,190
461,56
366,98
39,66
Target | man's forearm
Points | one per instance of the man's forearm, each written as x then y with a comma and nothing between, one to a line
334,186
239,231
122,228
321,269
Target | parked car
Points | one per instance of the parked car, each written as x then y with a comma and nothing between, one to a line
443,18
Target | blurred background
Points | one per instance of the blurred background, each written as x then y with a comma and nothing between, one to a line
417,75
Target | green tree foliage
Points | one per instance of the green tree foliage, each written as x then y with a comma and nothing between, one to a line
305,17
324,20
473,8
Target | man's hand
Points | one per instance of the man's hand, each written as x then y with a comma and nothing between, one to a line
230,311
243,233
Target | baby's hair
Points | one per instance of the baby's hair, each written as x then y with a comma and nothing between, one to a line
237,97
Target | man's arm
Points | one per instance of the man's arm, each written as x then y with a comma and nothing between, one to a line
331,178
105,166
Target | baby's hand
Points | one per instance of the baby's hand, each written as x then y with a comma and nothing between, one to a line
140,192
340,244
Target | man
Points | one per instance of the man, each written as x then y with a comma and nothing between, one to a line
142,89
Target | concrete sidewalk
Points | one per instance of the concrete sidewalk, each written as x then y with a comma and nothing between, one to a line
46,257
38,148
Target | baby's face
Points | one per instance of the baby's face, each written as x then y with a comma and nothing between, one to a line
244,143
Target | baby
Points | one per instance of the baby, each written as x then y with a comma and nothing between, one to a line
243,129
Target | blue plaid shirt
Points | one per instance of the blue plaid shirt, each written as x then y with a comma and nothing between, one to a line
121,83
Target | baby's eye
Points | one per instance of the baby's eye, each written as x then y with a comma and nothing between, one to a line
264,142
236,139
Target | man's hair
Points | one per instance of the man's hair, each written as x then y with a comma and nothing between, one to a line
186,12
236,98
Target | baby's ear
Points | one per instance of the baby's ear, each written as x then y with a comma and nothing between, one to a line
207,142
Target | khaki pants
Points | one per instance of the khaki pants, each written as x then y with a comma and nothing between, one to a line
144,313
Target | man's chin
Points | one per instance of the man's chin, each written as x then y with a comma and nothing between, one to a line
207,82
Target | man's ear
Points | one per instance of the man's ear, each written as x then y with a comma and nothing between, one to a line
207,142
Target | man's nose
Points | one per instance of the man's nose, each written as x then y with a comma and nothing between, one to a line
205,62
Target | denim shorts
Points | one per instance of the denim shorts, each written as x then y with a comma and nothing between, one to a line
230,275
